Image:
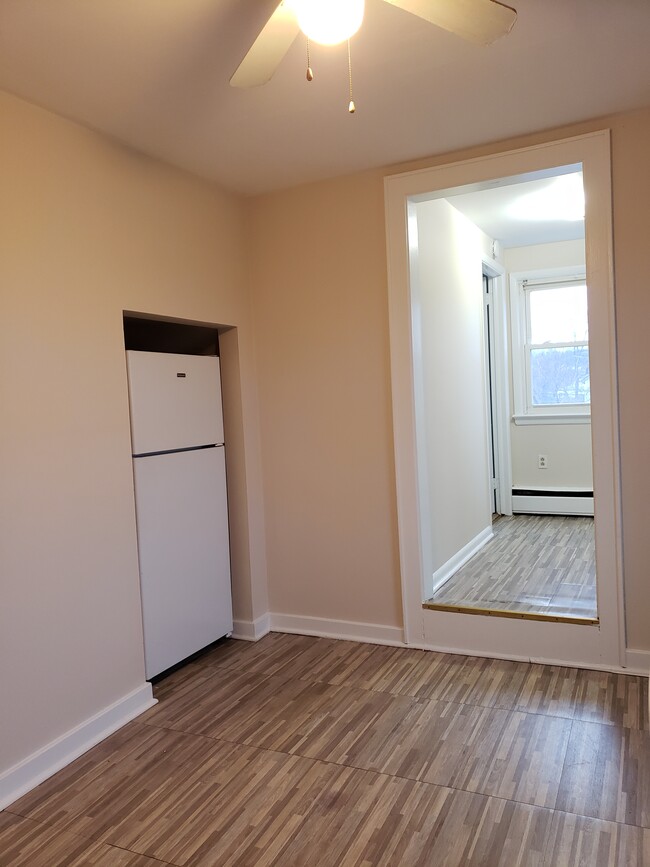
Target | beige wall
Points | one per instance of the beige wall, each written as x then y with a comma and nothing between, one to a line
567,446
321,323
87,230
448,300
560,254
319,295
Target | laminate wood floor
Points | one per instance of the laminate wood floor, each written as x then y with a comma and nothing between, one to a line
536,564
311,752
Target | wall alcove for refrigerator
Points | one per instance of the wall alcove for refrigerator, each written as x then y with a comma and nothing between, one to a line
180,489
163,335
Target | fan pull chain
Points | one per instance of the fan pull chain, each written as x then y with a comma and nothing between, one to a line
310,74
351,107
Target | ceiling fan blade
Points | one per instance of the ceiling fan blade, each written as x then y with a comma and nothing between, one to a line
480,21
269,48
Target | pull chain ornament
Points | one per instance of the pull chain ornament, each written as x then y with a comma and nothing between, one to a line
351,107
310,74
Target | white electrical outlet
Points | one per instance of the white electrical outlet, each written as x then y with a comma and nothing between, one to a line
542,462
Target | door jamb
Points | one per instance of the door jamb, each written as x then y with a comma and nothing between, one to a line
496,272
604,648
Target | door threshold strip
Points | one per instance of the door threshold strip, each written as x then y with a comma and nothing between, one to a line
516,615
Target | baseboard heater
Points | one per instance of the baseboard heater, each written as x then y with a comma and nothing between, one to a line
552,501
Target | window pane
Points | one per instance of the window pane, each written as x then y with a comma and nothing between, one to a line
558,315
560,375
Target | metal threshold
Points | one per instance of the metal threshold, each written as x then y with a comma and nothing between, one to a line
516,615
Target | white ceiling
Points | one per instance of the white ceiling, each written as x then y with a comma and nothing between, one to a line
154,74
492,211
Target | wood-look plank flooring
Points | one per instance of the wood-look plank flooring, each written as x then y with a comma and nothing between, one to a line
300,751
535,564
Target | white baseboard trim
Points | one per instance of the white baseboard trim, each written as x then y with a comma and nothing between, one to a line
251,630
444,573
24,776
637,662
349,630
530,505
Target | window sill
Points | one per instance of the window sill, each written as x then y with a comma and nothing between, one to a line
552,418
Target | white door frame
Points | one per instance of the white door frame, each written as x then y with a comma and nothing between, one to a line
601,646
496,273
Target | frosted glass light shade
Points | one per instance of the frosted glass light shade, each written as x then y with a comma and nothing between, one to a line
329,21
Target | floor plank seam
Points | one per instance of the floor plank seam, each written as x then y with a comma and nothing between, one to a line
516,709
55,829
313,749
239,667
52,826
45,824
388,774
478,704
140,854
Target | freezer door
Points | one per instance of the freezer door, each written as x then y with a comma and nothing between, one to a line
184,554
175,401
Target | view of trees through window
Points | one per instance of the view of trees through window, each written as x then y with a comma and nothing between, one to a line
560,375
558,345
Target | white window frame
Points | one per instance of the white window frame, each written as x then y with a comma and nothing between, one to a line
524,410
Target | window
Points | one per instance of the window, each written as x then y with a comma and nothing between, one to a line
550,352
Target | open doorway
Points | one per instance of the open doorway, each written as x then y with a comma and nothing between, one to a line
445,504
540,560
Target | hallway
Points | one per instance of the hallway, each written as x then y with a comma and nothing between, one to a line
536,565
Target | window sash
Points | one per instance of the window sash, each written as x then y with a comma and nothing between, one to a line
569,345
540,285
533,408
553,283
558,411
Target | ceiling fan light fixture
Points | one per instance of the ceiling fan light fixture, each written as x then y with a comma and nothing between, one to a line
329,22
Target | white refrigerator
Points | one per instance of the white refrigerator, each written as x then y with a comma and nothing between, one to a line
181,507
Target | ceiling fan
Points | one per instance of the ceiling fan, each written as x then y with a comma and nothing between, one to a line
332,21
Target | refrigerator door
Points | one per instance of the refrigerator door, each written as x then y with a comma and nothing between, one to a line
175,401
184,553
